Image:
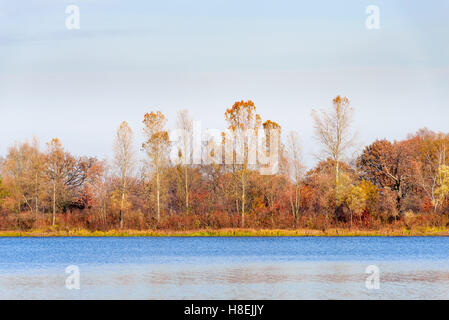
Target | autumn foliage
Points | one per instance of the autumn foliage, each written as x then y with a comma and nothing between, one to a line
388,184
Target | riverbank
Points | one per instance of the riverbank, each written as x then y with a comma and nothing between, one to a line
335,232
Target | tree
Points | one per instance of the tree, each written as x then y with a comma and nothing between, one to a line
241,119
321,180
371,194
37,168
23,168
65,175
185,125
433,154
85,195
16,167
3,192
156,146
356,201
333,130
101,189
97,183
442,189
272,185
390,165
123,160
56,159
295,171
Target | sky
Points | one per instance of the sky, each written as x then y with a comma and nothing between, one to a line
289,57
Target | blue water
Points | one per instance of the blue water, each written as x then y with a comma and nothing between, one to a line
225,268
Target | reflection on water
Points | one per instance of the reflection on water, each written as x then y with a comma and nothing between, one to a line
290,275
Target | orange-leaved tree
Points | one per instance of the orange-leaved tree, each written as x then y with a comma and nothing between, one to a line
242,118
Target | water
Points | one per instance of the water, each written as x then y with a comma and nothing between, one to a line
225,268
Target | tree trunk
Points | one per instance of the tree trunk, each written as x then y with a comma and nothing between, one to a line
186,190
121,208
54,204
399,197
296,206
337,204
104,211
337,169
36,198
243,200
158,195
293,207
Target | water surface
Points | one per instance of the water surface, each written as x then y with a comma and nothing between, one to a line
225,268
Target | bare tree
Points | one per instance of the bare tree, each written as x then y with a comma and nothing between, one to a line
185,125
65,174
295,171
333,130
123,160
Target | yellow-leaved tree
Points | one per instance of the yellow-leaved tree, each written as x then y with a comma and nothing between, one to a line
442,191
241,118
156,145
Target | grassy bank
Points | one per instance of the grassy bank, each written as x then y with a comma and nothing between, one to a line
230,233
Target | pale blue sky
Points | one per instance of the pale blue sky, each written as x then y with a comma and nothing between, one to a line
130,57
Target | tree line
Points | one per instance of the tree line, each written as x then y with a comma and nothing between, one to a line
388,184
